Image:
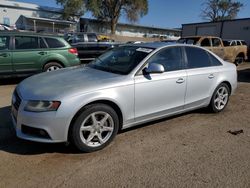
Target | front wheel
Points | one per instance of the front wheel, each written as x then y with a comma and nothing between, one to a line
220,98
94,128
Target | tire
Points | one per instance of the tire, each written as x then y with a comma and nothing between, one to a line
220,98
51,66
238,60
94,128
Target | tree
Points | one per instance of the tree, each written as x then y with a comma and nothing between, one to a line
218,10
111,10
72,9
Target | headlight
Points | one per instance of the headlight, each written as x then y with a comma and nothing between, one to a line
42,106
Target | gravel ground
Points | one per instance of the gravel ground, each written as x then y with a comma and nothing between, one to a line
190,150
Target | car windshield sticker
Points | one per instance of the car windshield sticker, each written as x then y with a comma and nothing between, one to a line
146,50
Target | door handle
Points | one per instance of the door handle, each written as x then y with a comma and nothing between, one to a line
180,80
42,53
211,76
4,54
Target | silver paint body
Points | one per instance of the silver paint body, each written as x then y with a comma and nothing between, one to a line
140,99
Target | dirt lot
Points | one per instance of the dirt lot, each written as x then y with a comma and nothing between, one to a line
191,150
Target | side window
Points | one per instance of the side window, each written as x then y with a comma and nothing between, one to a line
4,43
216,42
205,42
170,58
238,43
54,43
42,43
243,42
26,42
214,61
92,38
233,43
197,58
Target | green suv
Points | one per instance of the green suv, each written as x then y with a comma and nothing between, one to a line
28,53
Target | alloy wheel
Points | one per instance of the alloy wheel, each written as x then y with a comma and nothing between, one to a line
96,129
221,98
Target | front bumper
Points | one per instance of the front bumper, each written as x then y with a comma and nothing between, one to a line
55,126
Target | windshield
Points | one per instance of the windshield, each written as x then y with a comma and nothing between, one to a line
121,60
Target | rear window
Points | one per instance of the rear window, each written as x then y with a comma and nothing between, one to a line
54,43
214,61
197,58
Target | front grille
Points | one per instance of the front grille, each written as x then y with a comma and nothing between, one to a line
18,100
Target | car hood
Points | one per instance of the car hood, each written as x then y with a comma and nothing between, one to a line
67,82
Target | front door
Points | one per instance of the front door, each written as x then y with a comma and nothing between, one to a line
5,55
162,93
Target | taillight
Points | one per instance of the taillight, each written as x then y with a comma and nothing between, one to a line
73,51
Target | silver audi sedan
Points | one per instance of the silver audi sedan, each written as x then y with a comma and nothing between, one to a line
126,86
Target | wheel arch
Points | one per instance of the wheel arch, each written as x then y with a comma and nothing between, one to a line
104,101
53,61
228,84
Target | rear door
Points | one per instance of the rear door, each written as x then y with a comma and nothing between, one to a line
201,77
5,55
27,54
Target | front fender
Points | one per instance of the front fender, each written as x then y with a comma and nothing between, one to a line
123,97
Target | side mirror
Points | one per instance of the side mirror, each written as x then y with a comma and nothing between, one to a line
154,68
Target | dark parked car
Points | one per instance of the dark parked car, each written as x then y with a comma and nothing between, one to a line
28,53
88,45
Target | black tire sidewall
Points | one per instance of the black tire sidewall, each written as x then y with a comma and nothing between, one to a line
74,132
212,105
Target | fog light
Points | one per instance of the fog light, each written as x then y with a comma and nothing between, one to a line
42,133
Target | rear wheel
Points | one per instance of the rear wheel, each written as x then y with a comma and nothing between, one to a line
220,98
52,66
239,59
94,128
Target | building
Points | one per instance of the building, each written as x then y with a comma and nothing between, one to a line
228,29
32,17
130,30
28,16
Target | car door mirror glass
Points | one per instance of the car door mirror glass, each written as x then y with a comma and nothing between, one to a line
154,68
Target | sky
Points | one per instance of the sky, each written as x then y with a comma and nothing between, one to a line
164,13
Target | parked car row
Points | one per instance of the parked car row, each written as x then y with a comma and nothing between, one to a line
23,53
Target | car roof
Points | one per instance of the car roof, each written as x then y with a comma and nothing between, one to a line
28,33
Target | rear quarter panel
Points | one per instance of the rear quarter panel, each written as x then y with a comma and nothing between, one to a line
61,55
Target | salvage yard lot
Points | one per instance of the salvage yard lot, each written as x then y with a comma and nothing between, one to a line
190,150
